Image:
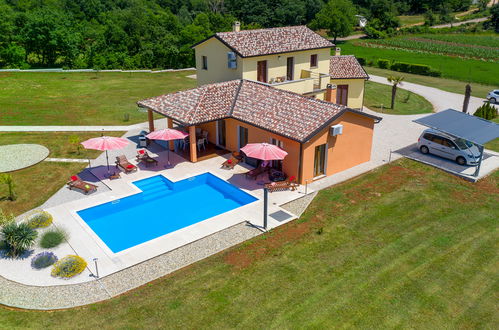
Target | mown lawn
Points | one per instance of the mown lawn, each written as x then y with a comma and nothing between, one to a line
467,70
35,184
82,98
378,98
57,142
449,85
405,246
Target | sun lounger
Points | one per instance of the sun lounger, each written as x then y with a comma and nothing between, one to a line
143,156
282,185
123,163
77,183
230,163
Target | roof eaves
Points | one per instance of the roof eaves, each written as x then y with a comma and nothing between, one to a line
290,51
228,46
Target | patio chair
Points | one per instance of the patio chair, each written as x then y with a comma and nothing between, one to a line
254,173
282,185
123,163
201,143
143,156
77,183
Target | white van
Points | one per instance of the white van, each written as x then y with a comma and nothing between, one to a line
462,151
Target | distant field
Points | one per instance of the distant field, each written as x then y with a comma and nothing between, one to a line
82,98
456,56
411,19
462,46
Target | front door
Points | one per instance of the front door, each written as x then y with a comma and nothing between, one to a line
290,68
342,94
320,160
277,164
221,133
261,71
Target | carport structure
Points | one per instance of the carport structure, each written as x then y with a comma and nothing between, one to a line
464,126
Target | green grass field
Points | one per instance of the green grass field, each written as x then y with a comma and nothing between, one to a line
378,98
467,70
410,19
450,85
404,246
82,98
57,142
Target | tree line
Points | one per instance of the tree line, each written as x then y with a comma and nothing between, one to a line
131,34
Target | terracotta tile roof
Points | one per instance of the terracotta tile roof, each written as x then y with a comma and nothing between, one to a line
282,112
346,66
249,43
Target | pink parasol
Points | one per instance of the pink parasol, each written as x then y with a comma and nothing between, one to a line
264,151
167,134
105,143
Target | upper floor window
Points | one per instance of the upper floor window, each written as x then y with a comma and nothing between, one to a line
231,60
205,62
313,61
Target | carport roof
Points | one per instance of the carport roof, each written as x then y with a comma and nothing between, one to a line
459,124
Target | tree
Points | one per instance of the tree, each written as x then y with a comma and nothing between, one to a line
19,237
395,81
482,5
7,179
337,17
494,18
75,140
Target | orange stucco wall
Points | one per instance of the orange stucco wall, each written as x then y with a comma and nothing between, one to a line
344,151
290,164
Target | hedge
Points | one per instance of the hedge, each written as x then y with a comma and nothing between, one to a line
420,69
383,64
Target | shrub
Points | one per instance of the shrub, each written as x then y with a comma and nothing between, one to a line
6,218
40,219
362,61
43,260
19,237
486,111
420,69
52,238
68,266
383,64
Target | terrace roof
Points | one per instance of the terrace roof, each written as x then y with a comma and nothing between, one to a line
281,112
346,67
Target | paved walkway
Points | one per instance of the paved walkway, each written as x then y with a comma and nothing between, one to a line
440,99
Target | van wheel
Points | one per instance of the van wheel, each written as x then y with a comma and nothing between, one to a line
493,100
424,150
460,160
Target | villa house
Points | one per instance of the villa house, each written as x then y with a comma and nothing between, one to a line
291,58
321,138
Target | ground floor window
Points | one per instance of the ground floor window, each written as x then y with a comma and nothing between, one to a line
221,134
243,136
320,160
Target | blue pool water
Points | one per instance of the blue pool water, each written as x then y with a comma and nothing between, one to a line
162,207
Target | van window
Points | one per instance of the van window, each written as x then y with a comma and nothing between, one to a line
438,139
463,144
449,143
428,136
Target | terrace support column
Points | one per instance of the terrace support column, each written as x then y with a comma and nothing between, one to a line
171,142
150,118
192,142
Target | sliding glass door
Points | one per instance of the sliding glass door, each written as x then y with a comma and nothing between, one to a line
320,160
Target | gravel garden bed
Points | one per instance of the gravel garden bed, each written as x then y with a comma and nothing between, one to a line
18,156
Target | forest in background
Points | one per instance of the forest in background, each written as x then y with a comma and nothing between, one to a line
130,34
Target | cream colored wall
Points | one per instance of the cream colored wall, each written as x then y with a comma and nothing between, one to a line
218,70
355,91
276,64
351,148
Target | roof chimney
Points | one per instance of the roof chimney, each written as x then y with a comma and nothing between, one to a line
236,27
337,51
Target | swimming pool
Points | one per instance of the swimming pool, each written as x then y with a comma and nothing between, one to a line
162,207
